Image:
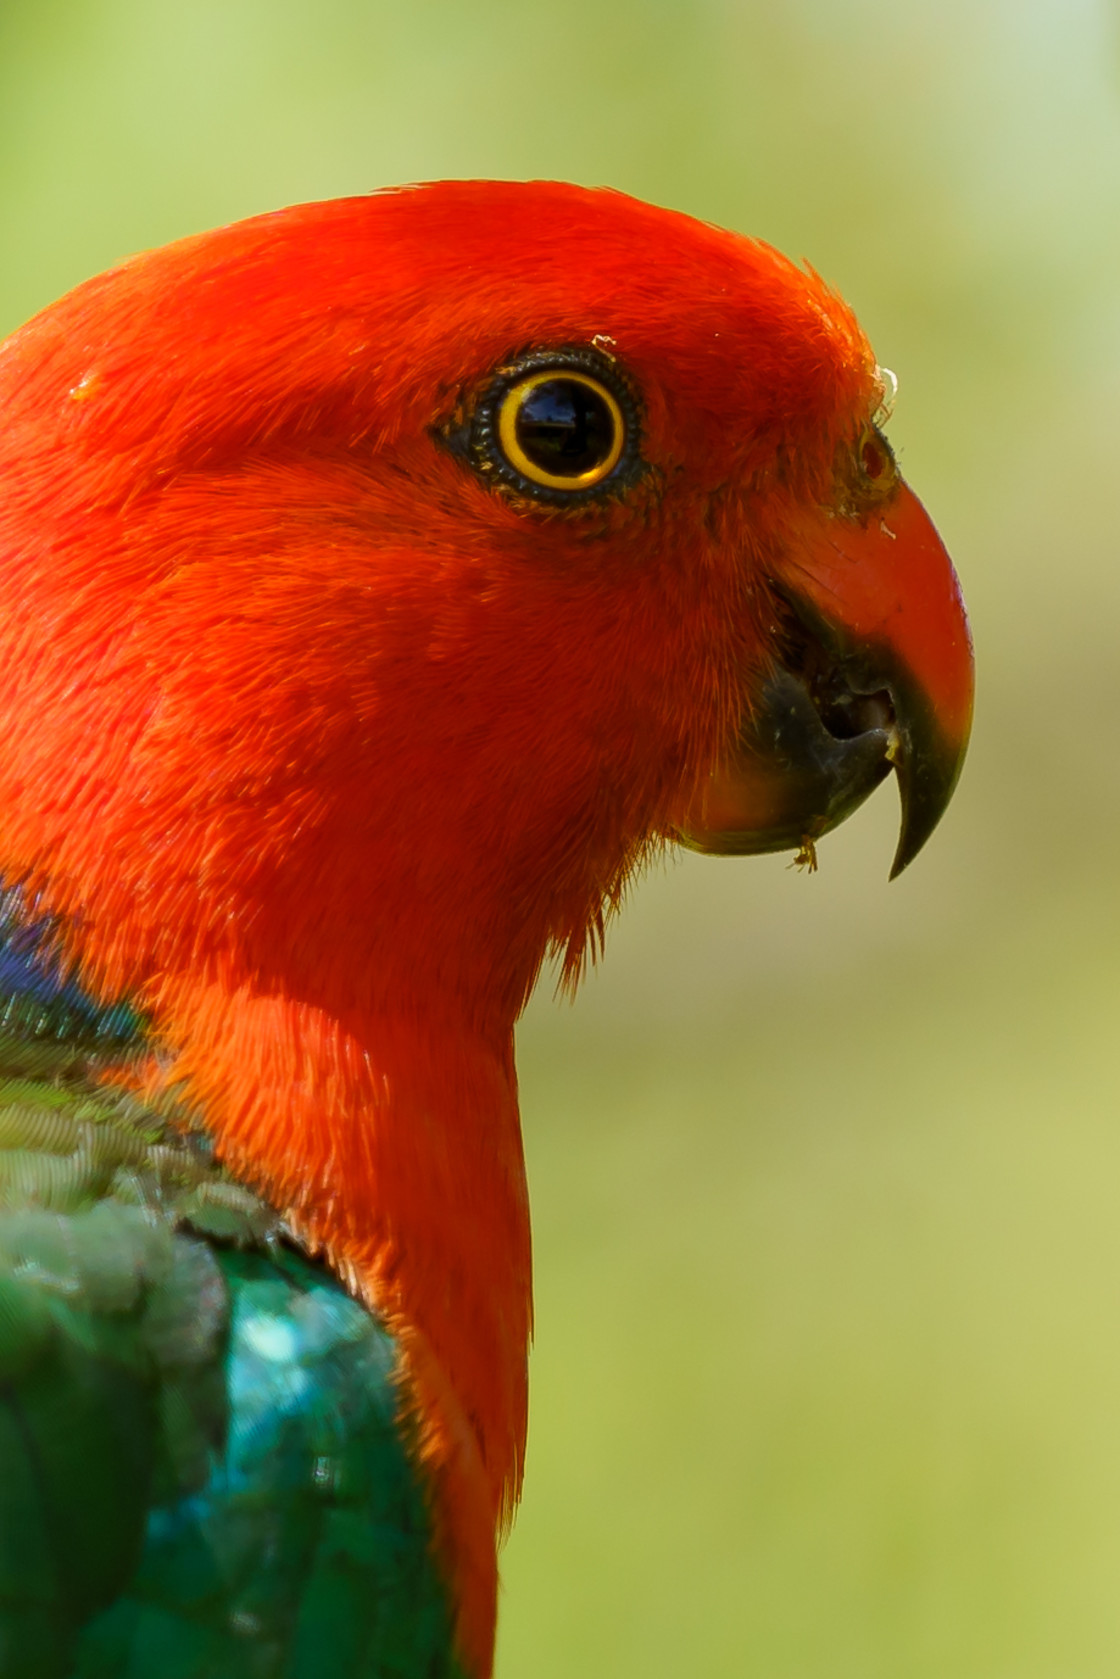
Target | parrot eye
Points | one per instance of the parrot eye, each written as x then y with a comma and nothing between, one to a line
565,432
560,426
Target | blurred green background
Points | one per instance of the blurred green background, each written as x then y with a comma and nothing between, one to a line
826,1175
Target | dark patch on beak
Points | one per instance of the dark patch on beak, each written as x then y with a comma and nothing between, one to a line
872,672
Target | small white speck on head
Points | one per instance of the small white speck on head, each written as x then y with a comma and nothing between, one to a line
603,341
888,395
84,389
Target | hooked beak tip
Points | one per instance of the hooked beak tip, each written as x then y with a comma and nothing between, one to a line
928,765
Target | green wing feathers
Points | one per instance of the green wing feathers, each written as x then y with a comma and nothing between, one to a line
202,1469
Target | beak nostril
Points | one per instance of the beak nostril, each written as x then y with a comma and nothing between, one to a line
846,714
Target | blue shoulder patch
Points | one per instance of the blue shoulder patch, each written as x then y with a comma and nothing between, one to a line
39,1000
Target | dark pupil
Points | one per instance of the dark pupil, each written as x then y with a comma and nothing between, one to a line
565,427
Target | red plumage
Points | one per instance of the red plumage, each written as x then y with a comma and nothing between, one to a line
317,740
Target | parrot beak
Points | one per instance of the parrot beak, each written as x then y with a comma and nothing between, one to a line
873,672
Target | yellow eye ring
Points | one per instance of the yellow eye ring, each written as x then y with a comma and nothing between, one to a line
560,426
561,429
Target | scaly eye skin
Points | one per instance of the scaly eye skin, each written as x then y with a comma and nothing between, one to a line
558,426
876,463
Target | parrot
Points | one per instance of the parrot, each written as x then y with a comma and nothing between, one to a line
384,581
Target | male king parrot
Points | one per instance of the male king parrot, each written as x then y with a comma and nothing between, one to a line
382,579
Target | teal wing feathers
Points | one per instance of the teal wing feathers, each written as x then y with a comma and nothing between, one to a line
202,1468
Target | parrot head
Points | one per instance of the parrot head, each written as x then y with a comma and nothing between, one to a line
390,573
382,580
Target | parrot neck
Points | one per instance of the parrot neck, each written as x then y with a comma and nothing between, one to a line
394,1146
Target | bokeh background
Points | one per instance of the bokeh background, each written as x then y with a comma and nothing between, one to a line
826,1175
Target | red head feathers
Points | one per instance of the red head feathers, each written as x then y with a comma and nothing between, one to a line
381,579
